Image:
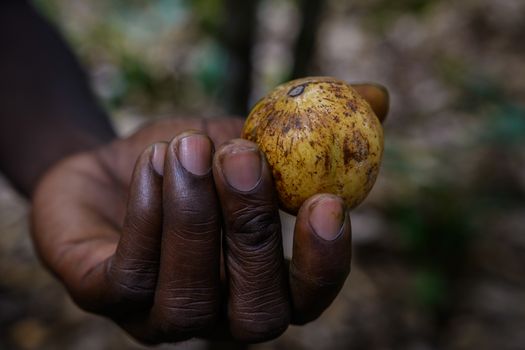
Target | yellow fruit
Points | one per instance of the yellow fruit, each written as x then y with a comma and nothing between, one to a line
319,136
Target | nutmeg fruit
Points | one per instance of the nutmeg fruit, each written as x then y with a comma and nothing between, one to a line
319,136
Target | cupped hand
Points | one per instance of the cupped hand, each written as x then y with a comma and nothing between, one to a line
173,239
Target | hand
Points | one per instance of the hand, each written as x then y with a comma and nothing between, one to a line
143,245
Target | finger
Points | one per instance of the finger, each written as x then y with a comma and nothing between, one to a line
133,270
321,256
187,297
377,96
113,272
258,307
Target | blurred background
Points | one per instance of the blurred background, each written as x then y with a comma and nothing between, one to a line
439,245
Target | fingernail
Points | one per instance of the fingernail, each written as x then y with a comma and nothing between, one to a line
327,217
157,158
194,152
242,168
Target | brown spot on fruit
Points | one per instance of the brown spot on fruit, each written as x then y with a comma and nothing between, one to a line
327,163
298,123
351,105
360,147
347,152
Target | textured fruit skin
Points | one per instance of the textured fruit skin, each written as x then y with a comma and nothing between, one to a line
319,136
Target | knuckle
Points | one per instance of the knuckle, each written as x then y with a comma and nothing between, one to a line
260,307
255,266
186,311
134,283
141,217
255,261
254,225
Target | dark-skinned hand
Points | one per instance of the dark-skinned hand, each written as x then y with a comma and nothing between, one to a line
172,238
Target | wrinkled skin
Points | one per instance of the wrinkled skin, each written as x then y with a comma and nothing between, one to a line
319,136
136,237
